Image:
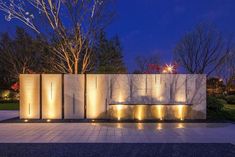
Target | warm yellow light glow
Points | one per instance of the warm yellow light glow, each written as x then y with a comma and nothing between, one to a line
164,71
140,112
94,96
29,96
51,96
160,113
26,120
5,94
92,120
159,126
119,112
119,125
140,126
120,97
93,100
48,120
180,125
168,69
180,110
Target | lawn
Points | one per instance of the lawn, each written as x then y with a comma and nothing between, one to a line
227,113
230,111
9,106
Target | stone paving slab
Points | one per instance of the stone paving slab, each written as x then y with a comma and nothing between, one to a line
117,133
5,114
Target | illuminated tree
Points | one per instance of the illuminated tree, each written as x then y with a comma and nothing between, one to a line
74,24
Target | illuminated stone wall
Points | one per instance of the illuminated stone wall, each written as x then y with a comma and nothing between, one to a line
118,96
97,95
51,96
146,96
30,96
73,96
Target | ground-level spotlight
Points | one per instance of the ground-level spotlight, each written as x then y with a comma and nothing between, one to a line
48,120
92,120
26,120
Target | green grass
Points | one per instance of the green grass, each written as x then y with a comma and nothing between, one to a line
227,113
230,111
9,106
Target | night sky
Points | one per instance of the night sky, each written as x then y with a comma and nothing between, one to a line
154,26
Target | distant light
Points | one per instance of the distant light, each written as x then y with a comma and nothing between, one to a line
26,120
92,120
48,120
170,68
164,71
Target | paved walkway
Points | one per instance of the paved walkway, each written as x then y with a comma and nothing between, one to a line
4,114
117,133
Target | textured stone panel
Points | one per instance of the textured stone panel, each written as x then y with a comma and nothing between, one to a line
121,89
30,96
51,96
73,96
97,95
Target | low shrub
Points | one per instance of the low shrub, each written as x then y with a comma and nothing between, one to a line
223,101
221,96
214,103
231,99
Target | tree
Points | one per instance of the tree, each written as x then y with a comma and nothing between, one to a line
227,71
215,86
74,24
145,63
202,50
109,55
19,55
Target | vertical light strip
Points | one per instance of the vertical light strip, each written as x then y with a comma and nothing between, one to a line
73,104
51,96
29,109
51,90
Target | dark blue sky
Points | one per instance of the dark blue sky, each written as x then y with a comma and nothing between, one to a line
154,26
